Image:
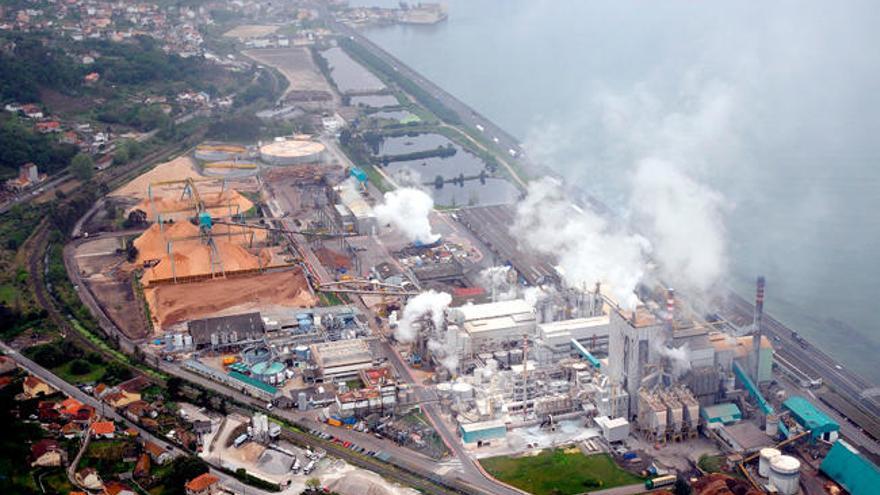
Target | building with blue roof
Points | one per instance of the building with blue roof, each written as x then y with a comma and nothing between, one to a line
851,470
810,418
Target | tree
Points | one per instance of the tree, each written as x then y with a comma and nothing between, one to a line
82,167
681,487
313,484
80,367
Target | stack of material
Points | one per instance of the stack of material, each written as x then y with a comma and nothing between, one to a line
721,484
171,206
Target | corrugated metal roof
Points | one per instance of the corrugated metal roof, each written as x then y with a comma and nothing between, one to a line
253,382
851,470
808,416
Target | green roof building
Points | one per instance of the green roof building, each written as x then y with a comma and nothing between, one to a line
811,418
851,470
726,413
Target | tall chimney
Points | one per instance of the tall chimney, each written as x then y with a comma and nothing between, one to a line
670,309
757,329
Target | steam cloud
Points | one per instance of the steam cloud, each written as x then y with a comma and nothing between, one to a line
430,303
495,279
679,357
587,249
408,209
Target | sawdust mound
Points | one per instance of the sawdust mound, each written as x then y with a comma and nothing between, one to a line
721,484
333,259
356,483
196,259
179,168
172,206
153,243
170,304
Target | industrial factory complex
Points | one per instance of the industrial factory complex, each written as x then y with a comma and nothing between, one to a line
273,273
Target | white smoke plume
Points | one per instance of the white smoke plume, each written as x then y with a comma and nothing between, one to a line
407,209
430,303
586,247
679,358
496,280
683,218
445,352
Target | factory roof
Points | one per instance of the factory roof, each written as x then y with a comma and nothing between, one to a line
512,307
253,382
721,413
341,353
567,326
611,422
808,416
483,425
494,324
850,469
351,198
246,325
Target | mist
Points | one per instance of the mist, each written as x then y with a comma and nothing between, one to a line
768,109
407,209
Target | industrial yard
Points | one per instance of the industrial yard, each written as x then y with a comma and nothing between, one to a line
313,281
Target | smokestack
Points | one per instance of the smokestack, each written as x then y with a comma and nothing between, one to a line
756,324
670,309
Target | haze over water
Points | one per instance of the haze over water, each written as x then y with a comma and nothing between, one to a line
775,105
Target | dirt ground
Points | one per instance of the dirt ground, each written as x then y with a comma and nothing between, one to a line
170,304
118,299
246,31
295,64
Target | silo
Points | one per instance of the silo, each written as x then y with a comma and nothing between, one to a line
767,454
503,358
301,352
516,356
785,473
771,427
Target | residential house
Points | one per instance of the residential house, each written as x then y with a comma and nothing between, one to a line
71,430
32,111
48,126
35,387
205,484
121,398
103,429
47,453
117,488
142,468
159,455
89,479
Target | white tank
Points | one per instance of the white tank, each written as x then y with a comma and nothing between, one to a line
767,454
463,390
771,427
785,473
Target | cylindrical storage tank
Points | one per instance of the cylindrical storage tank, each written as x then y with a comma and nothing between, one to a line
463,390
503,358
292,152
178,340
219,152
516,356
766,455
771,427
785,473
302,353
444,389
187,341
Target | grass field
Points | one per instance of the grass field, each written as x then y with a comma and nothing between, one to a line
557,472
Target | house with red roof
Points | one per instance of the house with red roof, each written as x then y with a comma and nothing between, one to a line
205,484
103,429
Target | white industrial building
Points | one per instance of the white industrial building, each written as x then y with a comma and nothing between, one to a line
341,359
494,326
353,210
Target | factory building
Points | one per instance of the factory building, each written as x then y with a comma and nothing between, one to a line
482,432
851,470
613,429
341,359
226,330
729,349
591,333
494,326
809,418
721,414
352,209
635,340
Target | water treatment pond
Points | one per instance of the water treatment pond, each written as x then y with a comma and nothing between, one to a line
494,192
348,74
374,101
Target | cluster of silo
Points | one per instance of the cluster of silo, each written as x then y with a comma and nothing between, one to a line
652,415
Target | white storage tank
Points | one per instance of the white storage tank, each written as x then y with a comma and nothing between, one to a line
771,427
785,473
766,455
463,390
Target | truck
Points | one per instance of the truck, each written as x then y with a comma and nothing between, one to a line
480,128
309,467
296,465
334,422
240,440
